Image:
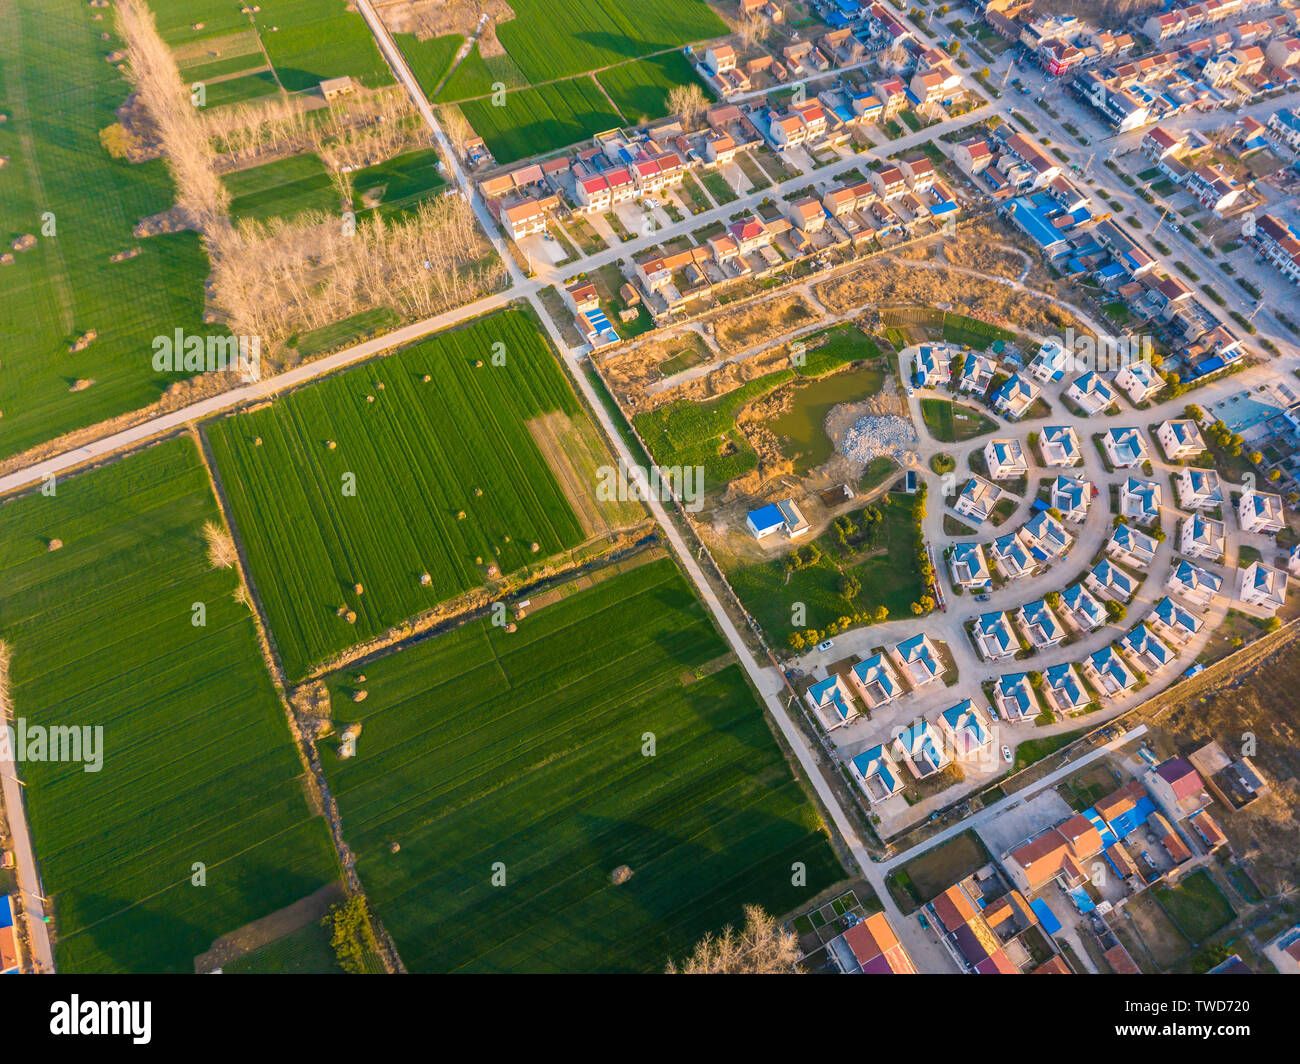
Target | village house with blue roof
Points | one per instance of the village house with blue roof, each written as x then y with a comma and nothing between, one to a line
1174,622
1131,546
1110,581
1059,446
1091,392
1064,690
1198,586
1005,459
1125,447
1071,497
1039,624
1013,695
832,703
1263,587
1081,608
1201,537
1180,438
1139,500
1015,397
919,660
876,773
1139,380
1011,555
874,679
777,517
993,636
977,499
976,374
1046,537
1109,672
968,729
1199,489
968,567
933,366
921,748
1148,651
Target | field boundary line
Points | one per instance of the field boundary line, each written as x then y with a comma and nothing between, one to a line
308,754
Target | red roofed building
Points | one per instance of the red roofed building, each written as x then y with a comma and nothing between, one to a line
967,935
1177,788
876,949
1056,854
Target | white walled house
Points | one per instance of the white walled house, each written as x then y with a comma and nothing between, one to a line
1180,438
1199,489
1125,447
1201,537
1005,459
1263,587
1260,512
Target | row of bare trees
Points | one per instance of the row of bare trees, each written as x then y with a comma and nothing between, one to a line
360,129
280,278
276,278
200,192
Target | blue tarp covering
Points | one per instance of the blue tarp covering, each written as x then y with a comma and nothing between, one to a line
1045,916
1126,823
1082,902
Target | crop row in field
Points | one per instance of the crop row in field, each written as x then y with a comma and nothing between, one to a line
525,753
422,463
80,205
197,764
538,120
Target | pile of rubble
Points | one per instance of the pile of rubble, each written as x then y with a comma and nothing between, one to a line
872,437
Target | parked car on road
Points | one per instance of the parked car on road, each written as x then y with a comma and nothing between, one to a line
1006,753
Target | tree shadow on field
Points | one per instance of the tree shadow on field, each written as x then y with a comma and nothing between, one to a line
153,937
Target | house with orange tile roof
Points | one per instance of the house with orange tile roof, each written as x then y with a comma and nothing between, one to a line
871,947
1059,854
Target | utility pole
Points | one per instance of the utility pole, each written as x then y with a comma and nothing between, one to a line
1258,307
1160,220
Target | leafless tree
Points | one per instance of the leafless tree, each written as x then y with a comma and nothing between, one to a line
759,948
688,101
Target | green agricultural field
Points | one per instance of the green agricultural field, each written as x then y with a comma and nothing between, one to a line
61,187
553,38
306,40
539,120
523,752
419,456
397,183
306,951
176,19
309,40
429,60
283,188
240,90
640,90
476,75
197,762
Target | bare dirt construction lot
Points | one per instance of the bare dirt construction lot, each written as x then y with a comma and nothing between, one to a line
886,281
441,18
756,323
1250,694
